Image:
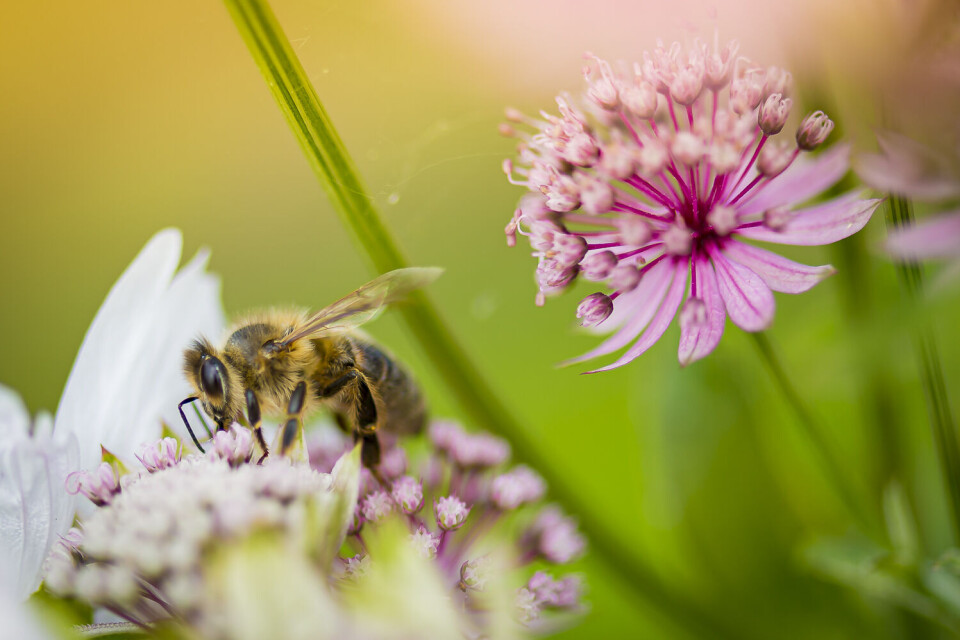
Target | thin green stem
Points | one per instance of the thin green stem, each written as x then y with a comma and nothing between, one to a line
900,214
333,166
811,430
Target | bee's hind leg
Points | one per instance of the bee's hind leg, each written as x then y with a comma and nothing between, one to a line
291,428
253,416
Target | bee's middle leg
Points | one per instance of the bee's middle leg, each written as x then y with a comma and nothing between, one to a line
253,417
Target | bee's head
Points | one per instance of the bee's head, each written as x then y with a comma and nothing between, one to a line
216,386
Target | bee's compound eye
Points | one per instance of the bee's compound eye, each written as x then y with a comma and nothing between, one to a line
212,375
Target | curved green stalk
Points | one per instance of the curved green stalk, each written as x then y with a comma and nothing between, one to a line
899,214
831,467
330,161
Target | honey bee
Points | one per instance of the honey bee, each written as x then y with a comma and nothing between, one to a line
292,362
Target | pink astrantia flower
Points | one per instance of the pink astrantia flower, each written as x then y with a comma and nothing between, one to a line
906,167
655,191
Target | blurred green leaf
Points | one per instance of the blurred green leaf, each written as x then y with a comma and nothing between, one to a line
901,526
869,570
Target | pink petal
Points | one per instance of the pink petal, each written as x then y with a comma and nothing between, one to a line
804,179
748,299
822,224
662,320
907,167
936,238
780,274
698,341
642,303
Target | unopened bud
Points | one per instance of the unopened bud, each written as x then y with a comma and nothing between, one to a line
594,309
774,113
723,219
814,130
625,277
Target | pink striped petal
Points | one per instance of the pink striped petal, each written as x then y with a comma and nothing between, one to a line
936,238
642,303
780,274
678,271
804,179
822,224
748,299
699,340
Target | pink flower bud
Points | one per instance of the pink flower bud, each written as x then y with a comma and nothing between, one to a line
625,277
596,196
376,506
569,249
519,486
594,309
640,99
407,492
634,231
814,130
774,113
687,85
451,513
774,159
723,219
425,543
677,240
162,454
597,266
777,218
688,148
99,486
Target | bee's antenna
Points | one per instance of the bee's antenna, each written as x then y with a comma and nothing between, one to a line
187,423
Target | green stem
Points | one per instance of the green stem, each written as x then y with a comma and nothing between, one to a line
900,214
834,473
330,161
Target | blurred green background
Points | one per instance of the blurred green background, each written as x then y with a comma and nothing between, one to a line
120,118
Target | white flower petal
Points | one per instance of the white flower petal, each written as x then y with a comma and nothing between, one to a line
14,418
19,620
35,507
127,374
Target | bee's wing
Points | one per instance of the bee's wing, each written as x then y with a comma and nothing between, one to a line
364,304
